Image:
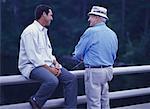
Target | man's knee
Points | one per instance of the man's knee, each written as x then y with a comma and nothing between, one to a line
52,82
73,78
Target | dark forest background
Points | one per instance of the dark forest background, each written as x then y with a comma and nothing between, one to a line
130,19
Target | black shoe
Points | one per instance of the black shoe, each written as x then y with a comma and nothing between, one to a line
34,104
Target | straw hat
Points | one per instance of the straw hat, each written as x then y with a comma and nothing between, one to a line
99,11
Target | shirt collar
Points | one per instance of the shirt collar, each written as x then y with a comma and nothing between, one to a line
99,24
39,26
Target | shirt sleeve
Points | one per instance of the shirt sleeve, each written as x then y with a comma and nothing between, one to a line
116,46
31,49
53,57
50,50
82,47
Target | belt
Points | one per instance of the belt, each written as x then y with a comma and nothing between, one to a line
100,66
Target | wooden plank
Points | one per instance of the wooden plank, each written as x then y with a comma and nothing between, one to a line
81,99
19,79
137,106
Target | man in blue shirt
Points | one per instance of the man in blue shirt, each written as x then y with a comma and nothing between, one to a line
37,62
97,48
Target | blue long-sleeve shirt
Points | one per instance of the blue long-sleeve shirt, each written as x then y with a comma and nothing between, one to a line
97,46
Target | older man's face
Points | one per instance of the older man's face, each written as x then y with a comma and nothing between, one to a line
93,20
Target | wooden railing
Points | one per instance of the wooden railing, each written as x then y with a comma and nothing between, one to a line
19,79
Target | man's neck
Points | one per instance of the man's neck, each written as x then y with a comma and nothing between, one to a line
41,22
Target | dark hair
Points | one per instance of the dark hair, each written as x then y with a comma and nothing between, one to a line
40,9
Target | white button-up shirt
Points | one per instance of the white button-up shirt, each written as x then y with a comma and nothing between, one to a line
35,49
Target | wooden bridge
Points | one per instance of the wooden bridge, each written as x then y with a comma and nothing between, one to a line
54,103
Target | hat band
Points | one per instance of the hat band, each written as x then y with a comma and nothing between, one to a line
100,12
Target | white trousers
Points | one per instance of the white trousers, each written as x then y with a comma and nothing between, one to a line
96,87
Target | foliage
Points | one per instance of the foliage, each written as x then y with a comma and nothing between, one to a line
129,19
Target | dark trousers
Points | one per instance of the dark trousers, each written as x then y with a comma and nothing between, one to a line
49,82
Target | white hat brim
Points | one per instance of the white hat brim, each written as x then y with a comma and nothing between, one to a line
98,14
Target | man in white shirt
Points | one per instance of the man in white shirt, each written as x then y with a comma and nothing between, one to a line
37,62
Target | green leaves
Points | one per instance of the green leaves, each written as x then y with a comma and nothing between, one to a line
70,21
